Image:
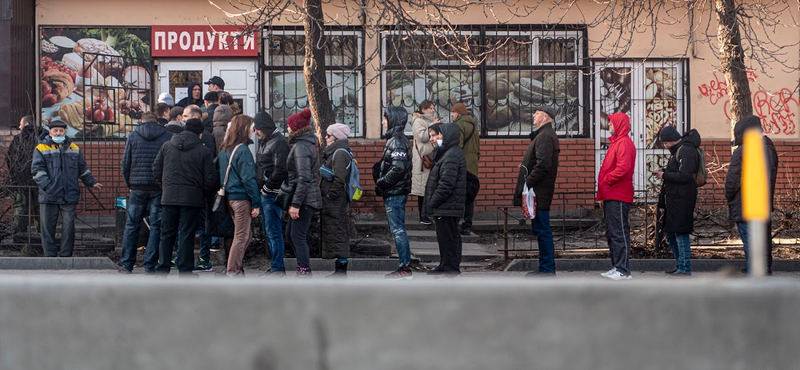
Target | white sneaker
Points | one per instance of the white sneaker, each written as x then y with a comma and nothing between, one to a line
616,275
609,272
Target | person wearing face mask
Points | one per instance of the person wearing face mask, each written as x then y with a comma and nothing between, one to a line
333,186
57,165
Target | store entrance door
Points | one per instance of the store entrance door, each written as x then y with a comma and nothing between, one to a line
239,76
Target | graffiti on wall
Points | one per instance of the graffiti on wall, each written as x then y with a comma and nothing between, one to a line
774,108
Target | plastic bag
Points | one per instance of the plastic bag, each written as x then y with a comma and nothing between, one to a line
528,202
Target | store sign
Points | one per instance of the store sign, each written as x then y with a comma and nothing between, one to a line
203,41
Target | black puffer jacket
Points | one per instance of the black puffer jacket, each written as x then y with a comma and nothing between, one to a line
185,169
541,160
302,168
446,190
141,150
680,190
271,161
20,155
394,175
335,241
733,180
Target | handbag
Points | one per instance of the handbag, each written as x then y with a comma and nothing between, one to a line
427,161
220,204
285,195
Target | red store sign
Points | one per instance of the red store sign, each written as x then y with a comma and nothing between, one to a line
202,41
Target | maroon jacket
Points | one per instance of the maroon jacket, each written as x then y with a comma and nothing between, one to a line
615,181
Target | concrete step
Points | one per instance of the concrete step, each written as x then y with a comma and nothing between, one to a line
430,236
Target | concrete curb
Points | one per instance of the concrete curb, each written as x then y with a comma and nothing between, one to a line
57,263
705,265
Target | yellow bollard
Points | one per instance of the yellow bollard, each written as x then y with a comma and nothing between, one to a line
755,200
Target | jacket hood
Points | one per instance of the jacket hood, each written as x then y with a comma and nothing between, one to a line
396,117
451,134
691,138
621,123
338,144
306,136
150,131
186,141
189,90
222,115
742,126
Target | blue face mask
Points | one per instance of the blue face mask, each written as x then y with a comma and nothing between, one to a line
58,139
439,142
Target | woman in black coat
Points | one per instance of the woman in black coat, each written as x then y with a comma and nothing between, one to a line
336,158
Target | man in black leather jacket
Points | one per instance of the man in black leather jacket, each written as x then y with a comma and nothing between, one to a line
392,175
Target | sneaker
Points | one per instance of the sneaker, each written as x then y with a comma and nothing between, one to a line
540,274
202,266
609,272
274,274
449,275
680,274
215,247
425,221
303,272
174,261
616,275
670,272
125,271
402,273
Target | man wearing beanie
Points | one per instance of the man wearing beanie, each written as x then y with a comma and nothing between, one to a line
615,193
270,174
679,194
56,167
733,184
470,143
184,168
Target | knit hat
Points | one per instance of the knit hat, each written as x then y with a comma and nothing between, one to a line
194,125
669,133
339,131
57,123
460,108
299,120
549,110
166,98
263,121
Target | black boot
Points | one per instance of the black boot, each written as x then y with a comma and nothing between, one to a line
340,271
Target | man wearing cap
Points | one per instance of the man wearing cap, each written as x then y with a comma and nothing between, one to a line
539,169
470,143
270,174
216,84
57,165
185,170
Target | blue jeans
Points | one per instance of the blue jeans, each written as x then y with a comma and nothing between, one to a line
272,227
541,230
681,249
140,202
396,213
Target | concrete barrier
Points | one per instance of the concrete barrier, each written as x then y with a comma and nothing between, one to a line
118,323
698,265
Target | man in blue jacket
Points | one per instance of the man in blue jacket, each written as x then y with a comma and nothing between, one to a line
137,168
57,165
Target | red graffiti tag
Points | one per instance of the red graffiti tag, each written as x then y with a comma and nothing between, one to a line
717,89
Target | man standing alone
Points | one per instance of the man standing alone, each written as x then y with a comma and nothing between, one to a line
615,192
539,169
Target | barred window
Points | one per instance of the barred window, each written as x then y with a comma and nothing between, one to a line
284,82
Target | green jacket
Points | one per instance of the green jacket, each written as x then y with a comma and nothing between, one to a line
472,148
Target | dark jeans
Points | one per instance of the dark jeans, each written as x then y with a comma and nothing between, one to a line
272,227
618,233
396,214
742,228
544,235
178,220
205,240
49,218
26,208
140,202
469,211
682,250
298,233
449,240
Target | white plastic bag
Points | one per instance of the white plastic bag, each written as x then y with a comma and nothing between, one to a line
528,198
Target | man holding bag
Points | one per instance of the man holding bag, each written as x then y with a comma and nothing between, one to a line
539,170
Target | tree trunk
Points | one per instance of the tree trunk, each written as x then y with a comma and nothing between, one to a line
731,58
314,69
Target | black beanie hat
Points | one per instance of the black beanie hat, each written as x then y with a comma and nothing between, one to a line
263,122
194,125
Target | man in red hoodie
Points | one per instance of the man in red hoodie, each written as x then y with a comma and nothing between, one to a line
615,192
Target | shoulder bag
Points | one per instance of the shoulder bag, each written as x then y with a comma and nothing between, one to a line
220,204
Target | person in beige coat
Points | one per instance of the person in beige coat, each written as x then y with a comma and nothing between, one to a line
422,147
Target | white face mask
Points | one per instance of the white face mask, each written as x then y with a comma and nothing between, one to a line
439,142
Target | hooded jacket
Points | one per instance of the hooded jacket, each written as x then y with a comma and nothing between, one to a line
185,169
271,161
733,179
471,147
540,167
336,243
394,169
56,168
679,189
141,150
241,183
615,180
187,101
302,167
446,190
222,116
20,155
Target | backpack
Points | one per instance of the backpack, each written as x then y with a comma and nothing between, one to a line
701,173
353,186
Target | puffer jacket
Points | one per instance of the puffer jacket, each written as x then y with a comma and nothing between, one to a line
335,241
20,155
422,147
302,167
222,116
187,101
271,161
57,168
394,175
615,180
472,147
185,169
733,179
141,150
541,161
241,183
446,190
679,190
